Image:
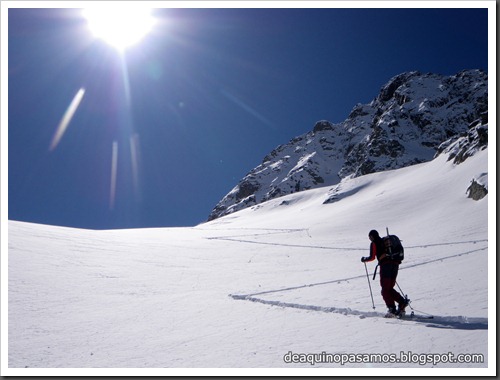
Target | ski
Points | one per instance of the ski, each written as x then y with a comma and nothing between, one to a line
413,316
391,316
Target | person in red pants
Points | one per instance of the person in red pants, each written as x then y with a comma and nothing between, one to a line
388,274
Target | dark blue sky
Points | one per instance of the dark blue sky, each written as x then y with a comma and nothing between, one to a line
212,91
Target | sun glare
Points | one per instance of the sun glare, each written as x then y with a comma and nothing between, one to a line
120,27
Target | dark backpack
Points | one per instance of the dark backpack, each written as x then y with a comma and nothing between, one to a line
393,248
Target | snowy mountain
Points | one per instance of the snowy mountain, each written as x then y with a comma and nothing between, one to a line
404,125
254,288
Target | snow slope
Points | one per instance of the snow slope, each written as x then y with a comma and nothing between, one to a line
248,289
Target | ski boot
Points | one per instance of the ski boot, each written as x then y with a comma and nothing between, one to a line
402,307
391,312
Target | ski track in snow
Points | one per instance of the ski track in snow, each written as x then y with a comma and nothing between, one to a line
238,239
455,322
236,296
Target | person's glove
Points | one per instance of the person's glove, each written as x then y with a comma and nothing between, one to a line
364,259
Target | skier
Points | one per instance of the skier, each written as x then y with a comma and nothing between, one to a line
388,273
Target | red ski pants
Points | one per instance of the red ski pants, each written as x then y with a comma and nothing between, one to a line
388,275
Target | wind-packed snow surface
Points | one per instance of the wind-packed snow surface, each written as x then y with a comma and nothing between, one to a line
257,287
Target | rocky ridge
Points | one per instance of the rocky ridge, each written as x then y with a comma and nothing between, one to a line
414,117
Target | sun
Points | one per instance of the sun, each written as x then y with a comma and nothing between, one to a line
119,26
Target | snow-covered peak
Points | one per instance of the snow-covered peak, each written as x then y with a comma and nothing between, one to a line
405,124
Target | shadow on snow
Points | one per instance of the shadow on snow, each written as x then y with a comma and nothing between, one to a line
444,322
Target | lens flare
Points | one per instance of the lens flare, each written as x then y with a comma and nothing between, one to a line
68,115
114,167
135,159
246,107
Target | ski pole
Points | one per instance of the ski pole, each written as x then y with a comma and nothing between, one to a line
406,296
399,287
430,316
369,285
